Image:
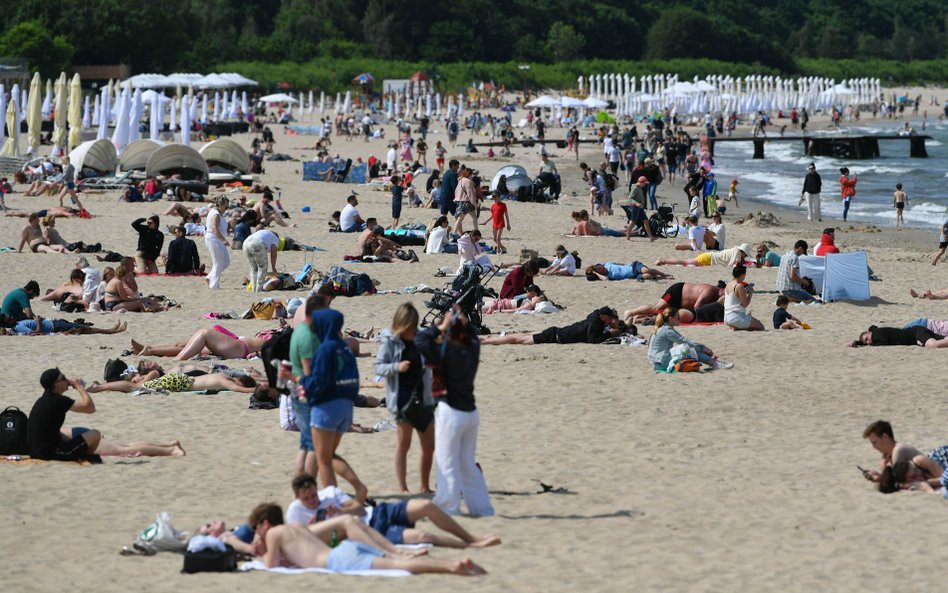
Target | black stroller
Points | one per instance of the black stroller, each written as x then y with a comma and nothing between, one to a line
546,181
467,292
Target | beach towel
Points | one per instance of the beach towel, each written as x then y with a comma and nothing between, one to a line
259,565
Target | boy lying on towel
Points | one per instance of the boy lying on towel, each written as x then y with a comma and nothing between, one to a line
362,549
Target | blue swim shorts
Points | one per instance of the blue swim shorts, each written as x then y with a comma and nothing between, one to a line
303,412
350,556
336,414
391,519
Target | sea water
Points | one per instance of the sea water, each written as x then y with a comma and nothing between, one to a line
778,178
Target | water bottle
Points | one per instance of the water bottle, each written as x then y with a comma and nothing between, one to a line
284,365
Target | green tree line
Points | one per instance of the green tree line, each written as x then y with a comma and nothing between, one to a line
560,39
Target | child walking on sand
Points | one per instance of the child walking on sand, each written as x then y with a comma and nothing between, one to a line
732,193
498,213
783,319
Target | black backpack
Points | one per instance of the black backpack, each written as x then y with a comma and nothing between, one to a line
13,435
277,348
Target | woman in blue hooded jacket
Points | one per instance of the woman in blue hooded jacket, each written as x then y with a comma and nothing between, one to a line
330,389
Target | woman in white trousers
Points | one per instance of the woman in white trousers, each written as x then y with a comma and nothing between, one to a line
456,417
259,248
215,239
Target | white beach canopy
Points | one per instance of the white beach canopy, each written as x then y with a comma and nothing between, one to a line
277,98
96,154
543,101
176,158
135,157
595,103
226,153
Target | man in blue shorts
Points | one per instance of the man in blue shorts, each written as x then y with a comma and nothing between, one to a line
361,549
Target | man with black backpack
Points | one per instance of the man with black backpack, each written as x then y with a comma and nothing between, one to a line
48,415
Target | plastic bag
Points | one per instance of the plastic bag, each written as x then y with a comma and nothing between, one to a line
679,352
161,536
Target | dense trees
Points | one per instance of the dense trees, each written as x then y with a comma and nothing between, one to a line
165,35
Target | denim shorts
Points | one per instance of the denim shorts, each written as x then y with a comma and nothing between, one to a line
336,414
303,412
391,519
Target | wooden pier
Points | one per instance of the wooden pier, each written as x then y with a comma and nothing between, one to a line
840,147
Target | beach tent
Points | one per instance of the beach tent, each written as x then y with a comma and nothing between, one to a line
226,153
135,157
177,159
95,154
544,101
838,276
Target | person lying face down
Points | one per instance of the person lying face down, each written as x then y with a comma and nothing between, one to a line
894,336
596,328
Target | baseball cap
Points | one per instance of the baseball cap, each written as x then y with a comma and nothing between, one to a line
642,179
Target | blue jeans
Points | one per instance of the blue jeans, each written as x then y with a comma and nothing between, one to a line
846,208
920,322
653,204
798,295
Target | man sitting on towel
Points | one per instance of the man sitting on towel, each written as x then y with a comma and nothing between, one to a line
362,549
396,521
182,256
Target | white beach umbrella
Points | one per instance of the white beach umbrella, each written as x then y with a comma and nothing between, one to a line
203,118
105,114
120,133
156,117
244,106
310,107
135,118
94,120
428,104
192,109
47,109
347,103
233,105
337,106
173,114
185,121
322,101
217,107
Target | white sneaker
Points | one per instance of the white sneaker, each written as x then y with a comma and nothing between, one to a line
720,364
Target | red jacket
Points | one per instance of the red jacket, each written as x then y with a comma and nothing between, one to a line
847,186
827,245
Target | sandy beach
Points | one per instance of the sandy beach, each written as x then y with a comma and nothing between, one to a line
731,480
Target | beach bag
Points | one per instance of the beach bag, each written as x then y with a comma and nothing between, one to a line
687,365
680,352
161,536
210,560
13,432
416,412
263,310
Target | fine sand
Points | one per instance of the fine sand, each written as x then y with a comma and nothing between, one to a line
738,480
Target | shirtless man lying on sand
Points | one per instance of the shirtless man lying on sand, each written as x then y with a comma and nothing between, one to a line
364,549
681,295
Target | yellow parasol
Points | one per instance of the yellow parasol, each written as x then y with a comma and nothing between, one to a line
34,116
75,111
12,146
59,120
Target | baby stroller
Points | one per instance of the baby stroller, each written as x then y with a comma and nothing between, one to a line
467,292
664,222
546,181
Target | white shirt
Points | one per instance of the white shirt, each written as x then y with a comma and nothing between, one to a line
696,237
297,512
695,207
719,232
267,237
390,157
436,240
567,263
607,145
347,218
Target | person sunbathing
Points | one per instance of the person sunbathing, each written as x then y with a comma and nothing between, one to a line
599,326
213,341
534,296
938,295
634,271
362,549
29,327
726,257
177,382
70,291
682,295
395,521
55,211
591,228
116,448
895,336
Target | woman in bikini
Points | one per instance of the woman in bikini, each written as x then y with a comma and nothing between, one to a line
214,341
119,295
176,382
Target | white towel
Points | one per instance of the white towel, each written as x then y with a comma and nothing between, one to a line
258,565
